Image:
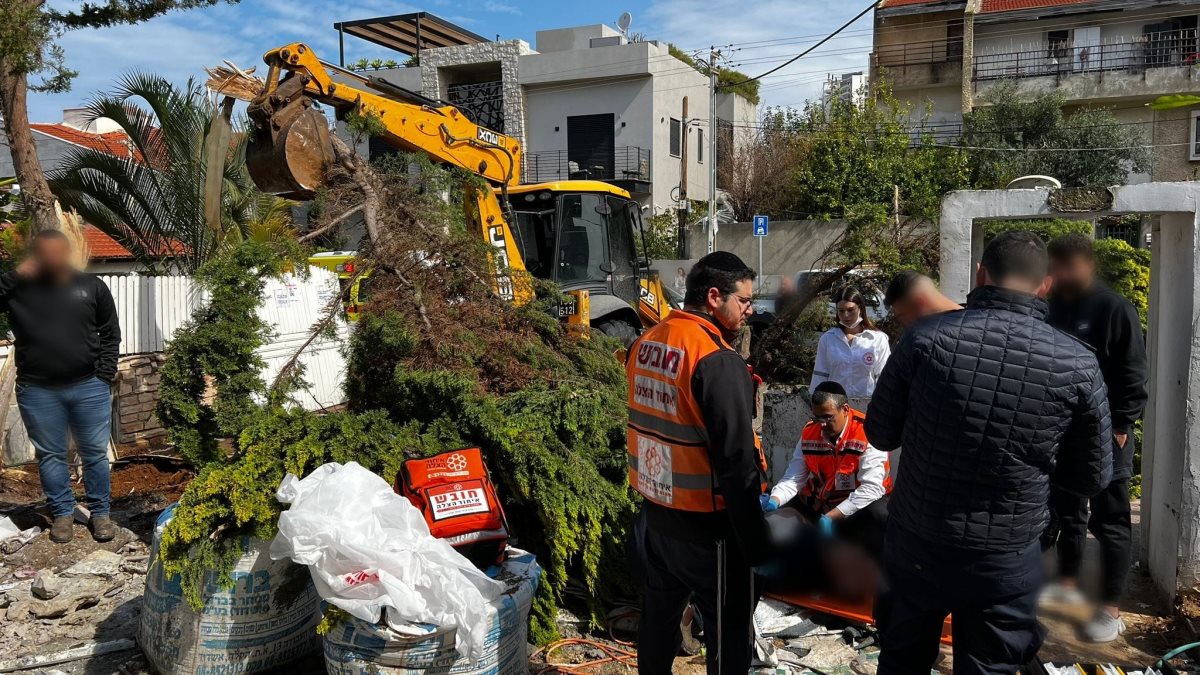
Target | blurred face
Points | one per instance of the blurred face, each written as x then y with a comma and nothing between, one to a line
907,310
1073,275
787,285
53,255
731,311
831,417
849,314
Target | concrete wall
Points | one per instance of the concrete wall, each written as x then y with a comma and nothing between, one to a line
568,39
1171,459
51,152
1172,134
790,246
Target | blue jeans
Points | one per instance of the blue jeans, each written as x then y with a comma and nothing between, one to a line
85,409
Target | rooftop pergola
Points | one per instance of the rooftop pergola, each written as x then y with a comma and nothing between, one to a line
406,33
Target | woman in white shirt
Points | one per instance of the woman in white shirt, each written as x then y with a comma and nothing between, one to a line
852,352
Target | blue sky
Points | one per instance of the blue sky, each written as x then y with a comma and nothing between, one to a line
179,45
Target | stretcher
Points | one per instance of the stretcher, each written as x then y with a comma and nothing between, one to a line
861,613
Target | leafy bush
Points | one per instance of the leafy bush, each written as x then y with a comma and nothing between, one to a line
1127,270
1048,229
662,236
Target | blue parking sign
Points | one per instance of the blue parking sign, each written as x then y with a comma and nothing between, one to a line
760,226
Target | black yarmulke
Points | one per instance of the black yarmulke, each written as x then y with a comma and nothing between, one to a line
831,387
724,261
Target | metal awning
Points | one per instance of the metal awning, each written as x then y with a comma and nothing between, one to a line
409,33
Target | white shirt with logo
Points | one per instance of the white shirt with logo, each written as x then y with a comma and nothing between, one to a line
854,362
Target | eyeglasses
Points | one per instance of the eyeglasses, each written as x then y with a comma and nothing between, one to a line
823,419
743,301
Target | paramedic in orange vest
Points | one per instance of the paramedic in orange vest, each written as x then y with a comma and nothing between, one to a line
695,459
836,479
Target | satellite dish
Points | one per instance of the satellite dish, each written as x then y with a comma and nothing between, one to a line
1034,182
624,21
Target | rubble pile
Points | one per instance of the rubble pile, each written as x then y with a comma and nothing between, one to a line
62,609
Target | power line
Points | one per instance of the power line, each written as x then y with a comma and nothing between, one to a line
797,57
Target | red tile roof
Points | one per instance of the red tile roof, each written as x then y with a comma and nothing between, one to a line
115,143
990,6
103,247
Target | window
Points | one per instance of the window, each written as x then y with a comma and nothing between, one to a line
954,39
676,137
1194,154
582,246
699,146
1058,44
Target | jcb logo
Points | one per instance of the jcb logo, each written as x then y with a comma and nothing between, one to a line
488,136
504,286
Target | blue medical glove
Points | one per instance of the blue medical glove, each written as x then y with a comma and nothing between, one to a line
825,526
768,504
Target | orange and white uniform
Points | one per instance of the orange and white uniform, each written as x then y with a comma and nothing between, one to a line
847,475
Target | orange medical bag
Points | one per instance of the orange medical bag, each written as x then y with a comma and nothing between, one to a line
456,494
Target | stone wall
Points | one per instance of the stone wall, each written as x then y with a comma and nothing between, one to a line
136,395
504,54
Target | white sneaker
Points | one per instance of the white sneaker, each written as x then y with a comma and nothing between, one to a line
1058,594
1104,627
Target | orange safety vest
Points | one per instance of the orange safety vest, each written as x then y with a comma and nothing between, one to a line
668,442
833,469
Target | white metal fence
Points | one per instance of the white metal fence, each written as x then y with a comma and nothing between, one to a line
151,309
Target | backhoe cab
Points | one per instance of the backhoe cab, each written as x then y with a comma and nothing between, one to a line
583,235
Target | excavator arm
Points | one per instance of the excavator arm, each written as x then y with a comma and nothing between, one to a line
291,151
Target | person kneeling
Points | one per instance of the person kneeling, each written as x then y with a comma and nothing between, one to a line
836,479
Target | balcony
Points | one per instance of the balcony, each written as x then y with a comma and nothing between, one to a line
627,167
1147,64
920,64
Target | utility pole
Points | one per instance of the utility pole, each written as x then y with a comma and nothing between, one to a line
712,147
683,183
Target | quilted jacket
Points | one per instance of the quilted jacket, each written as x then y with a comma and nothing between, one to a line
990,404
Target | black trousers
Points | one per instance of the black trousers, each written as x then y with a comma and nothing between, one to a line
993,597
865,528
1109,523
714,576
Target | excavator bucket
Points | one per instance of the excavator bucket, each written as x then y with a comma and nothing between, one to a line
290,149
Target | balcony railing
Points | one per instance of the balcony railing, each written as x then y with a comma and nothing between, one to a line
919,53
1169,49
627,163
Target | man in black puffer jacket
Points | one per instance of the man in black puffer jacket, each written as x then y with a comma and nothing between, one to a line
991,405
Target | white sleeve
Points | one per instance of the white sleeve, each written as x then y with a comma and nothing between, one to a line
821,364
881,356
793,479
872,469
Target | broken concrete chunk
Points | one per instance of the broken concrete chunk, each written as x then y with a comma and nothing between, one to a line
45,586
101,564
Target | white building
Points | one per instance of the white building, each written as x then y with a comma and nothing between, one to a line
847,88
945,56
584,102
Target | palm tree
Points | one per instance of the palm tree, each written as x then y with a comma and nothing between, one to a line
152,199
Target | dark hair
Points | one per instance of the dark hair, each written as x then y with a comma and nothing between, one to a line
852,294
48,235
900,286
829,392
1073,245
720,270
1017,254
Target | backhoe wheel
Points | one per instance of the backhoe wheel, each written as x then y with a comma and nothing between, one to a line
619,329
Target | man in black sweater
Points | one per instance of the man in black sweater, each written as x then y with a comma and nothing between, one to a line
67,341
1086,308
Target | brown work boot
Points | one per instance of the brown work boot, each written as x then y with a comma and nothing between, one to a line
62,530
103,528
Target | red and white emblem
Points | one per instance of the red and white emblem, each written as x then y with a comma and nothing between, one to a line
869,358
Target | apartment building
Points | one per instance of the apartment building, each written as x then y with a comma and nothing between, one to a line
585,102
944,57
847,88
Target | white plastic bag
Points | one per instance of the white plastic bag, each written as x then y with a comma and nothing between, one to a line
368,548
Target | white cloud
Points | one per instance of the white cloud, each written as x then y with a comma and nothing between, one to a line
697,25
181,44
500,7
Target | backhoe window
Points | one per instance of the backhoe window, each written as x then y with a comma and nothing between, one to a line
534,232
583,248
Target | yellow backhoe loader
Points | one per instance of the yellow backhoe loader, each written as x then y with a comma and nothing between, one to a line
583,235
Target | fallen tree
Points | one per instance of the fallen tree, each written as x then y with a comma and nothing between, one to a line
437,362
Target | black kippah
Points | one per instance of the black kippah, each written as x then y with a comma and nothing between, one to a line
724,261
831,387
